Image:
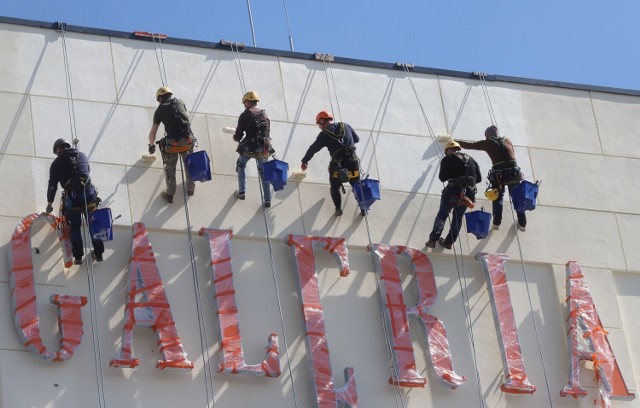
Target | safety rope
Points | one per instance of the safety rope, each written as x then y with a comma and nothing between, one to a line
269,244
90,276
238,64
70,105
202,326
485,90
335,90
286,16
163,71
462,277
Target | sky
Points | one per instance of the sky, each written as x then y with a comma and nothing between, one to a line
584,42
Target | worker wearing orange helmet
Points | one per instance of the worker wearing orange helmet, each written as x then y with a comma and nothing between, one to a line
339,139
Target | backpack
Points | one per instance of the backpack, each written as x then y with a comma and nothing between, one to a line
258,146
183,124
78,180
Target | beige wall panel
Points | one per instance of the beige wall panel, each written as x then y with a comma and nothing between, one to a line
467,113
207,80
627,287
560,119
581,181
618,118
629,225
16,132
19,175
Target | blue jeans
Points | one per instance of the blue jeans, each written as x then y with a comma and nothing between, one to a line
443,213
74,209
499,204
241,164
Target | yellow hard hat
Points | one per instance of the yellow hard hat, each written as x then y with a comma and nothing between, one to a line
452,145
250,96
491,194
163,90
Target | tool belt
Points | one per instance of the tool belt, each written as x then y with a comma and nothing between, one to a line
349,171
180,145
500,177
457,193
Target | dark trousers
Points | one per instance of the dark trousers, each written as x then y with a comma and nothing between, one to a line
335,184
74,208
498,206
456,219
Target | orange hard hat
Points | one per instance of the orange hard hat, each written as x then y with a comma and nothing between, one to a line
323,115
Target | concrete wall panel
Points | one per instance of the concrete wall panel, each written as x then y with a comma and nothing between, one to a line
618,123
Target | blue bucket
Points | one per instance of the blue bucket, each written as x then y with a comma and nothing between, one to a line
524,196
275,172
198,165
478,223
100,224
367,191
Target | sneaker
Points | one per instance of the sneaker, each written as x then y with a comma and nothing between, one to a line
338,212
167,197
444,243
430,243
495,227
267,204
77,260
239,195
190,193
522,227
96,257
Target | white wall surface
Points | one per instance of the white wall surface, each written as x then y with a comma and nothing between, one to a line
581,144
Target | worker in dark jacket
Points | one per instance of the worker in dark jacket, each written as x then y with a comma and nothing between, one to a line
340,139
504,172
254,142
71,170
461,173
178,139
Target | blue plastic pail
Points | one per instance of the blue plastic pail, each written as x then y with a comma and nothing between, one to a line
198,165
478,223
100,224
275,172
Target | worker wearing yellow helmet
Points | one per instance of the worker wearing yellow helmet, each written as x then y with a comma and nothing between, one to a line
461,173
253,134
504,172
177,141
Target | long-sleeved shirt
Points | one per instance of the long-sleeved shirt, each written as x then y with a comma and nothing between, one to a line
61,170
452,166
332,142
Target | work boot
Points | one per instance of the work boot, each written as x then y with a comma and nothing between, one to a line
96,257
364,211
167,197
239,195
77,260
190,193
495,227
267,204
444,243
522,227
338,212
431,243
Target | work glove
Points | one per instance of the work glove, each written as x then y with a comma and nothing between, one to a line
237,139
49,208
152,149
304,166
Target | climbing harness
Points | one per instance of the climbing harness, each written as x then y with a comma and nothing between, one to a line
483,82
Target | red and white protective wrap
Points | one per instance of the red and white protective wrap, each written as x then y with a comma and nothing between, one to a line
515,379
587,340
23,293
405,373
232,355
326,394
148,306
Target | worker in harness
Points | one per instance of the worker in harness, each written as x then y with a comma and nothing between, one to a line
178,140
461,173
254,142
504,172
71,170
340,139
